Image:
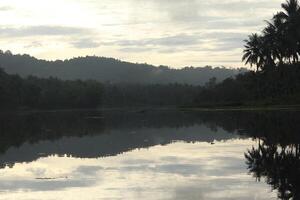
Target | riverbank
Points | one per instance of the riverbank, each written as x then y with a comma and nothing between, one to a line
144,110
243,108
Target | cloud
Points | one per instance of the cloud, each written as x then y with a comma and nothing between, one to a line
175,40
194,11
200,42
136,49
223,41
85,44
179,10
6,8
34,44
41,31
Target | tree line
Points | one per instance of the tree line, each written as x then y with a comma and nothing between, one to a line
50,93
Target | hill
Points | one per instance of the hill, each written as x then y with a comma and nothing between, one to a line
110,70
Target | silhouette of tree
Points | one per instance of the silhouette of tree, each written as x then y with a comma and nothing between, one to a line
279,41
290,19
253,51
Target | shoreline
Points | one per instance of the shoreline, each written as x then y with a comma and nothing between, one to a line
145,109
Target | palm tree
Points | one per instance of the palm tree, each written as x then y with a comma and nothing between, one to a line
279,42
280,26
271,45
273,42
253,51
290,18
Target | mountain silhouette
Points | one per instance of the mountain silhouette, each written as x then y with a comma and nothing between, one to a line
110,70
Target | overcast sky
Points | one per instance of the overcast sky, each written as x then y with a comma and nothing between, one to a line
177,33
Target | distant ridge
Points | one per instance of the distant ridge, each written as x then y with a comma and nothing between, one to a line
110,70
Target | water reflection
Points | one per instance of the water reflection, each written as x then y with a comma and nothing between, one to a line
149,155
96,134
175,171
279,164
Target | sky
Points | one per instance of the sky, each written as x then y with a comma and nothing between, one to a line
176,33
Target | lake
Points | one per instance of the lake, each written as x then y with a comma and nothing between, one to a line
150,154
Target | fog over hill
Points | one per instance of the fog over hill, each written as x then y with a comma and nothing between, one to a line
110,70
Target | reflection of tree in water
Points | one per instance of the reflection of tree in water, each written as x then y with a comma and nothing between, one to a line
25,137
279,165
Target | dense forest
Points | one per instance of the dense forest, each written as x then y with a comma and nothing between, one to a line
276,80
110,70
52,93
38,93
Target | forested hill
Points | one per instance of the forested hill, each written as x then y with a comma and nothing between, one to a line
110,70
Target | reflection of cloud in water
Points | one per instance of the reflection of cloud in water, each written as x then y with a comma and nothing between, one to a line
88,170
41,179
42,185
175,171
81,177
203,192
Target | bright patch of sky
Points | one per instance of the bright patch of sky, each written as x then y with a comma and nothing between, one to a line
176,33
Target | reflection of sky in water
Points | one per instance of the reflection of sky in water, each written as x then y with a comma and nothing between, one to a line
175,171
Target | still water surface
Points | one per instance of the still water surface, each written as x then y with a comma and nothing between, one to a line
150,155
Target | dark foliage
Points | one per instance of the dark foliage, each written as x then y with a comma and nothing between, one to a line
280,86
124,95
38,93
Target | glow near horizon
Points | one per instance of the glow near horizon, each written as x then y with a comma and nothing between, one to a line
176,33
